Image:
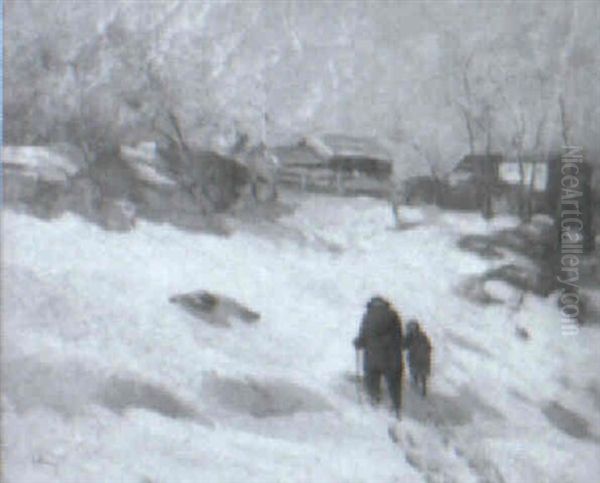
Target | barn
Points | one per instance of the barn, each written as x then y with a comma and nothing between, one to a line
337,163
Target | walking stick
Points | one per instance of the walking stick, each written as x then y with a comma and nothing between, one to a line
358,377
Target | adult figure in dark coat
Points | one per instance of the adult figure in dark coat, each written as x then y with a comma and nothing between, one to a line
380,337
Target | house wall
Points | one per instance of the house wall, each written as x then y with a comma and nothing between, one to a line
509,173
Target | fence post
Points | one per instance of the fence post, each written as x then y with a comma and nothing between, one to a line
339,183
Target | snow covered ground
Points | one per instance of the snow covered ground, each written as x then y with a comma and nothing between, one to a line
103,380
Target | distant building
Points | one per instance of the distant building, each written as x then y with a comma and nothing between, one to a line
533,171
494,183
514,184
299,156
417,190
480,168
473,184
348,153
336,163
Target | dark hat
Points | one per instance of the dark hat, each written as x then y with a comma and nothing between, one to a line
377,300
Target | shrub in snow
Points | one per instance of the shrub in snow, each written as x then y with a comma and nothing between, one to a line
220,178
522,278
112,175
473,289
117,214
84,197
481,245
18,185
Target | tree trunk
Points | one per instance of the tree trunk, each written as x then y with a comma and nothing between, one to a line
395,204
531,192
521,193
488,175
564,123
470,133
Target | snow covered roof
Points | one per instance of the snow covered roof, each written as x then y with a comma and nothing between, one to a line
146,151
52,163
329,145
143,159
297,156
150,175
472,162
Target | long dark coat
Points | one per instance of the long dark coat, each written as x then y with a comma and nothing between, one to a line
380,336
419,352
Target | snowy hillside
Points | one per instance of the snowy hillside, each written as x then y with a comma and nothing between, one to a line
104,380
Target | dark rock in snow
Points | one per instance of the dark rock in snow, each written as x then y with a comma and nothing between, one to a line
522,333
567,421
214,308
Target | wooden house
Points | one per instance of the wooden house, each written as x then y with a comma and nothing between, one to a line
337,164
473,183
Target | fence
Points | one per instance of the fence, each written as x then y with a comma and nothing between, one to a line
329,181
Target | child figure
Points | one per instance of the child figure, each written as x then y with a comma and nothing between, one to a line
419,355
